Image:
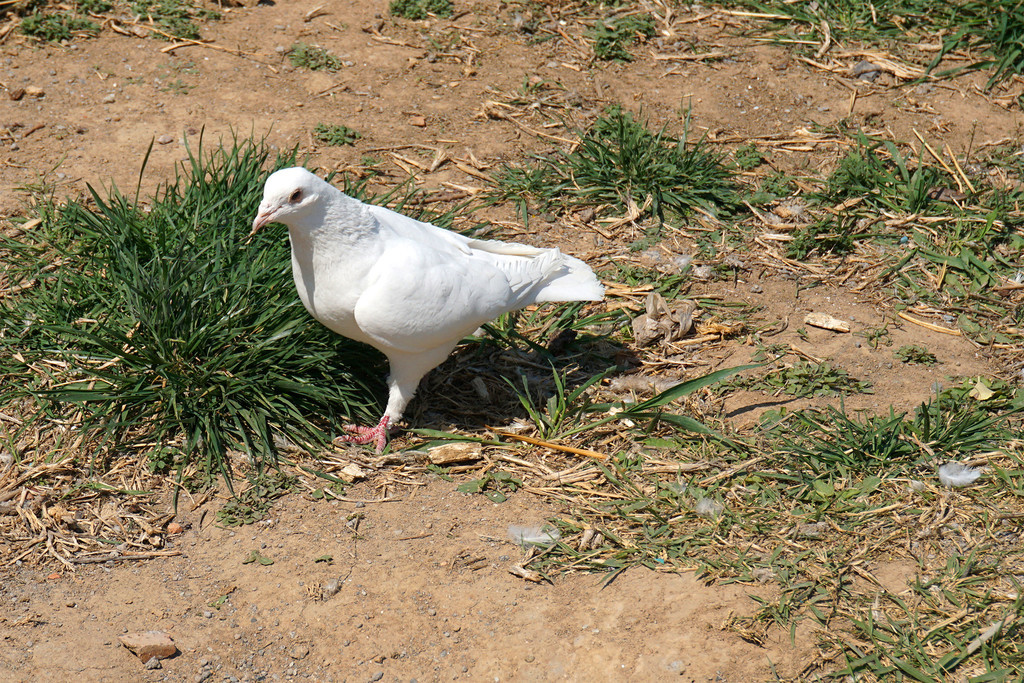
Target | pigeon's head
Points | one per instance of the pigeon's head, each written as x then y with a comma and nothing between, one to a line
288,195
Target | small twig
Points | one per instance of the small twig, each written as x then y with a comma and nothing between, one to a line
469,170
928,325
956,163
115,557
942,161
731,471
554,446
187,42
26,551
826,42
53,551
346,499
975,644
545,471
690,57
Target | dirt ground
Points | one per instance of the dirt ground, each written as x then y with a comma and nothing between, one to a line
426,591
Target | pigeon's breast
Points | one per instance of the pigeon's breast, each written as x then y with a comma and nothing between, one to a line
329,296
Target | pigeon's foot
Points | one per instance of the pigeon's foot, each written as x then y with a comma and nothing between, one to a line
376,435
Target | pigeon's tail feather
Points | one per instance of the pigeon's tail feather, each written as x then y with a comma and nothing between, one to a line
540,275
574,281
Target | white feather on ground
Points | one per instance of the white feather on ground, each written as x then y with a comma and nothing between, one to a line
533,535
408,288
708,507
957,474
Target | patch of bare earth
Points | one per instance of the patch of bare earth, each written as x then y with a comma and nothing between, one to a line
426,595
425,587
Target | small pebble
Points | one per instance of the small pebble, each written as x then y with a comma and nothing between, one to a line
703,272
377,676
165,139
109,99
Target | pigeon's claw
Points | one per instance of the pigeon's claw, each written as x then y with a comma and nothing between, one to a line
376,435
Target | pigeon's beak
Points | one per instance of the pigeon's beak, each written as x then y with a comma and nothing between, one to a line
263,216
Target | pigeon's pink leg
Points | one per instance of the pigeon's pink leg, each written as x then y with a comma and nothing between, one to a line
377,435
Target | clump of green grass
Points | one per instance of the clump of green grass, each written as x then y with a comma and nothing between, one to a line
915,354
747,157
879,172
990,395
164,326
55,23
991,32
494,485
803,379
507,330
995,32
827,485
950,426
969,250
772,187
420,9
95,6
564,409
877,336
55,27
828,235
313,57
175,17
253,504
335,135
612,39
920,638
620,162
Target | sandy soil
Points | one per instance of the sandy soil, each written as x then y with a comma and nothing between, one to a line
427,593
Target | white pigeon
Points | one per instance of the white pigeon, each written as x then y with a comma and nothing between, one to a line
410,289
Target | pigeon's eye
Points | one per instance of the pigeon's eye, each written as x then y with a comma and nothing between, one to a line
296,196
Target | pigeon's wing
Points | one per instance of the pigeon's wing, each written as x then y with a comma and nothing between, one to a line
535,274
394,224
431,235
419,298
